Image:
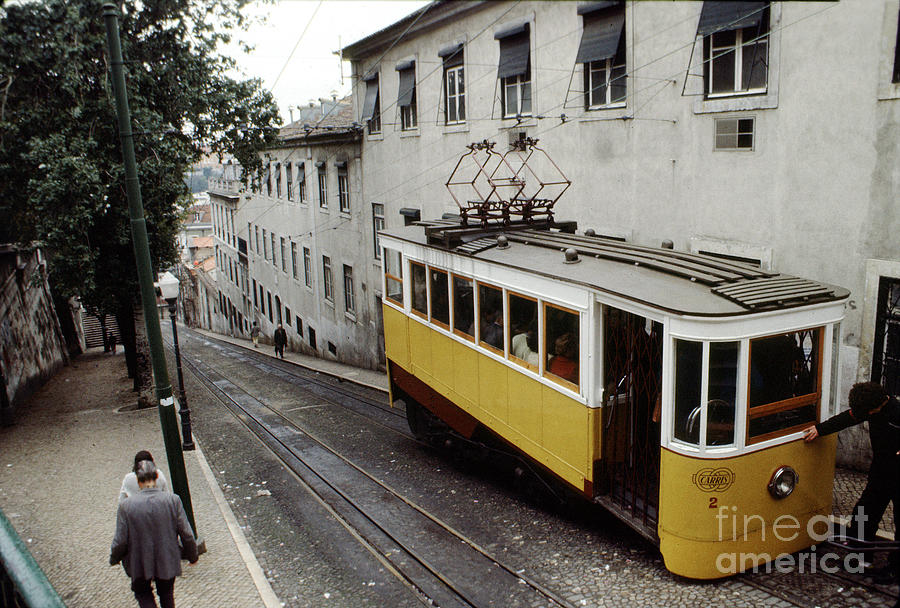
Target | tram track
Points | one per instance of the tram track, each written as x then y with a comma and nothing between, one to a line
792,588
439,563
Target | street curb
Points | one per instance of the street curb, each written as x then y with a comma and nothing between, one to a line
266,593
239,343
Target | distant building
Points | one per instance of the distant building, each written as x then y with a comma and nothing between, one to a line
296,247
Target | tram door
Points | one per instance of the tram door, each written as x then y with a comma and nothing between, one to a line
632,364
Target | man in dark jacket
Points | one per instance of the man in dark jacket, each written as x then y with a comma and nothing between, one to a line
148,526
280,340
870,402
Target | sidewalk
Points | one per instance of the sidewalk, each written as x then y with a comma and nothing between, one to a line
361,375
61,467
848,484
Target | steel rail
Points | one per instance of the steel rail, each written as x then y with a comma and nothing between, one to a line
278,441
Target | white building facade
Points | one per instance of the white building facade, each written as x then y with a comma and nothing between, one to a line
292,247
763,131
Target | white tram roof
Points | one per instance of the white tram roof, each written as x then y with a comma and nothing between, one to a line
674,281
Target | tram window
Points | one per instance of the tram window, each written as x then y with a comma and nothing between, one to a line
721,393
490,317
688,381
440,299
784,383
523,326
419,289
463,307
393,274
561,334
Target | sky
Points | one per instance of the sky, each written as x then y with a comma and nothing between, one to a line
317,29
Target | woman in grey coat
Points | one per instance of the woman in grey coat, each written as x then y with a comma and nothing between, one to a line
148,526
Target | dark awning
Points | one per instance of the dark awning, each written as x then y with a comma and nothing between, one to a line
371,98
602,32
320,164
341,166
514,50
407,83
452,55
585,8
722,15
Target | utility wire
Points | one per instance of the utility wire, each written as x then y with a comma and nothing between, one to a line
291,54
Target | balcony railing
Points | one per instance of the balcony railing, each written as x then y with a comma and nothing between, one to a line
22,582
225,185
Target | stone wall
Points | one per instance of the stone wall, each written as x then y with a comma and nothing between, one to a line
32,347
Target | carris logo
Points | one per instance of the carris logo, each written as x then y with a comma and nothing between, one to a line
713,480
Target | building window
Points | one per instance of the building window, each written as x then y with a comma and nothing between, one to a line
602,51
283,256
327,278
256,231
307,267
343,186
377,226
516,96
289,177
299,327
255,299
323,184
372,105
301,182
735,47
514,70
269,179
274,261
265,246
454,84
278,180
294,259
269,297
406,97
734,133
349,302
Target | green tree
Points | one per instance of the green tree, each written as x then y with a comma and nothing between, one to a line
61,174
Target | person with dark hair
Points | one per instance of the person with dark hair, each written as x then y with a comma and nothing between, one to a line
870,402
148,528
564,363
130,483
254,334
280,339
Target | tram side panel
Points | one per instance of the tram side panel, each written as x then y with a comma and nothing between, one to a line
555,430
717,517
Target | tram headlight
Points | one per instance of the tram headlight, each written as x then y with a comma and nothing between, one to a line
783,482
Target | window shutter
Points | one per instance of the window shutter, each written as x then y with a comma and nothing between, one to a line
602,32
452,55
514,51
407,71
371,97
721,15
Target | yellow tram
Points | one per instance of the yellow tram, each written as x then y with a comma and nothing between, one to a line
670,387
